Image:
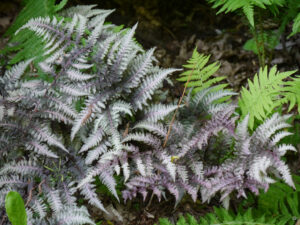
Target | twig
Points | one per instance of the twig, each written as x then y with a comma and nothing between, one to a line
178,105
30,196
150,201
40,186
31,190
3,219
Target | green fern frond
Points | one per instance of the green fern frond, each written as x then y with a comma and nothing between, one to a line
25,42
199,74
221,216
265,93
246,5
270,40
282,210
296,25
292,93
285,201
32,9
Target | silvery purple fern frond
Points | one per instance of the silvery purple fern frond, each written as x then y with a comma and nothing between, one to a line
91,115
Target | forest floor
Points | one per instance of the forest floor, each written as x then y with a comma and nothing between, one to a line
176,27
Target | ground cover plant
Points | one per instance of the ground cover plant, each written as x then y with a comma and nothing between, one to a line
85,112
284,209
264,39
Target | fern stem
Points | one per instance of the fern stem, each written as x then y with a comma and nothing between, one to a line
258,34
3,219
255,35
178,105
262,41
150,200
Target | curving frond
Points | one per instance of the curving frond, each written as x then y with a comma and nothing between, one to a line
264,94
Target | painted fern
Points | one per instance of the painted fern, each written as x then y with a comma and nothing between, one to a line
195,169
25,44
92,118
86,62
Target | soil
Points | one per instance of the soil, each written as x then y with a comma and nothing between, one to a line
176,27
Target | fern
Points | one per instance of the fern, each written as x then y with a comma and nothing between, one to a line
264,39
26,44
221,216
246,5
267,91
83,60
285,202
270,39
116,129
283,209
296,25
199,75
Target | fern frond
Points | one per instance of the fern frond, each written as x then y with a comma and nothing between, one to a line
40,208
141,137
94,154
148,86
22,168
16,71
93,140
40,149
44,134
10,180
158,112
199,74
77,75
88,191
54,200
296,25
28,45
140,165
263,95
74,215
246,5
291,93
155,128
139,69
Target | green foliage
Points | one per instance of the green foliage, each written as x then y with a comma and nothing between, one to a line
221,216
199,74
280,206
270,39
15,208
285,202
296,25
292,93
32,9
267,91
246,5
25,43
264,40
295,130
